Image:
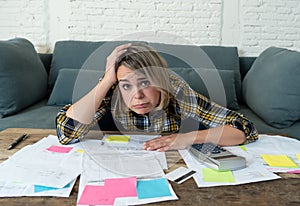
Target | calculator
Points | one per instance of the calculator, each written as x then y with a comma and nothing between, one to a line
217,157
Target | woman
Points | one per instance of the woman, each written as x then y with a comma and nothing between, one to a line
143,95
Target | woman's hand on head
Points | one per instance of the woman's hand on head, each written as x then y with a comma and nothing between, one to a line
170,142
110,72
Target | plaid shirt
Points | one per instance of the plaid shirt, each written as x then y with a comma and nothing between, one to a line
185,103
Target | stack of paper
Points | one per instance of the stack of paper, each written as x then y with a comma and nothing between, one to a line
45,168
117,171
267,155
120,173
276,153
206,177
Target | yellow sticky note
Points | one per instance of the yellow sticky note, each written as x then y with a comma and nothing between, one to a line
279,161
210,175
118,138
298,156
243,147
80,151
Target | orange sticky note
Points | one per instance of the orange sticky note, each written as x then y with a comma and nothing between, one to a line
279,161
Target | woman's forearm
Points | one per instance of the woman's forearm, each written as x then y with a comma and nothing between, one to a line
223,135
84,109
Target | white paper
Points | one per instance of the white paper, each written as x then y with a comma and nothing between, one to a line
135,141
127,163
9,189
254,172
94,174
130,151
104,160
274,145
34,165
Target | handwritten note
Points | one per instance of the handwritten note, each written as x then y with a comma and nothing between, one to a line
279,161
118,138
210,175
153,188
59,149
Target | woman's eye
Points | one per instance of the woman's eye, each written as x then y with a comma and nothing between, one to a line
145,83
126,86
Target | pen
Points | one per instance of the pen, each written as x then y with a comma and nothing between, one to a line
17,141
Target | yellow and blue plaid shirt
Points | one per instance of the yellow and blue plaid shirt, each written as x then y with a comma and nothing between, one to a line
185,103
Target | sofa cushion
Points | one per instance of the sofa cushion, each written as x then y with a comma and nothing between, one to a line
226,58
217,85
209,57
271,88
80,54
183,56
38,115
23,78
72,84
265,128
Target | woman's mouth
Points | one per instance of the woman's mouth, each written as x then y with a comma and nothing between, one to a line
140,106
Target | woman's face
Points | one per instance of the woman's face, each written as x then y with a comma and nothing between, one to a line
138,93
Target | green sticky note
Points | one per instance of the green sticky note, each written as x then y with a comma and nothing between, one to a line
210,175
279,161
243,147
118,138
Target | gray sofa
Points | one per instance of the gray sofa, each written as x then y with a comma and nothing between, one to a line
240,83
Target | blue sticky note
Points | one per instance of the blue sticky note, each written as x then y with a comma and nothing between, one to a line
153,188
41,188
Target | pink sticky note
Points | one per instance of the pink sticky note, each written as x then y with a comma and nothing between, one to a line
95,195
293,172
121,187
59,149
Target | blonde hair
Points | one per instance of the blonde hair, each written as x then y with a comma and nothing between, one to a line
145,60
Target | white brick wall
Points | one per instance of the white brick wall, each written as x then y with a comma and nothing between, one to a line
23,19
251,25
269,23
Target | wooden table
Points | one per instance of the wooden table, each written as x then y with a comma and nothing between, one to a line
284,191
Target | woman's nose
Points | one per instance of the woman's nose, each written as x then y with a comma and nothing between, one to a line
139,94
